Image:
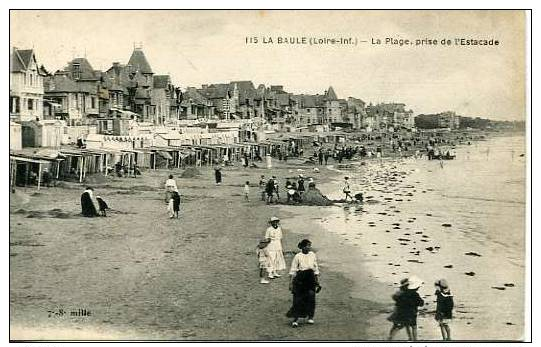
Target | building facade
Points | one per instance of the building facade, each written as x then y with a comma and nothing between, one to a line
26,86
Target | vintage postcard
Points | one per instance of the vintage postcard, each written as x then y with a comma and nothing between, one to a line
266,175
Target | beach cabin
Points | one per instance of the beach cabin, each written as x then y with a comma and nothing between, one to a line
15,136
43,133
168,139
27,167
114,126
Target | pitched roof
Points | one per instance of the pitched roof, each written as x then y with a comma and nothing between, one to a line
161,81
21,59
118,78
246,90
330,94
215,91
139,62
193,94
84,67
61,83
283,99
305,101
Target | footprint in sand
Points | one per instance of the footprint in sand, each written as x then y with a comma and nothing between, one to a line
509,285
448,266
473,254
499,288
471,273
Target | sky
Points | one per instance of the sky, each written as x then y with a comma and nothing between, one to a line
203,47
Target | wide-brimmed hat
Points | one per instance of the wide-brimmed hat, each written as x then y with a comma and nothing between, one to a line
414,282
301,175
263,243
274,219
442,283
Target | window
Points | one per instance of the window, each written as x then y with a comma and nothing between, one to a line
31,79
30,104
93,102
307,110
76,71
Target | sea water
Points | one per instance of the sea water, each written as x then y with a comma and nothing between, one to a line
462,220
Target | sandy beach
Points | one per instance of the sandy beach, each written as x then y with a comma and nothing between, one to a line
146,277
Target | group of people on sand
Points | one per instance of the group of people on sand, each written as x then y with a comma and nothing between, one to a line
270,189
88,209
407,301
303,273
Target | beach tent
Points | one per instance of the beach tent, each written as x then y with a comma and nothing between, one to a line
27,168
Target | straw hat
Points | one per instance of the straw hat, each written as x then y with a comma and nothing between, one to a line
442,283
414,282
274,219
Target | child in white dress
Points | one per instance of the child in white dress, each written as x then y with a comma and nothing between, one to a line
264,261
246,191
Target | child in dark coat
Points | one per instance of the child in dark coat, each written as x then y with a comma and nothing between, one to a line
444,308
407,300
102,205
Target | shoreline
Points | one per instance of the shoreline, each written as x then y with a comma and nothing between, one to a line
126,271
473,312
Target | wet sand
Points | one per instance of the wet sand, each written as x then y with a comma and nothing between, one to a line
412,223
144,276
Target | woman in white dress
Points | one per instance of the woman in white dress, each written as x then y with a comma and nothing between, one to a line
276,256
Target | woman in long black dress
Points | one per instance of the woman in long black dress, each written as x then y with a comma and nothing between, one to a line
304,284
87,205
176,203
218,175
